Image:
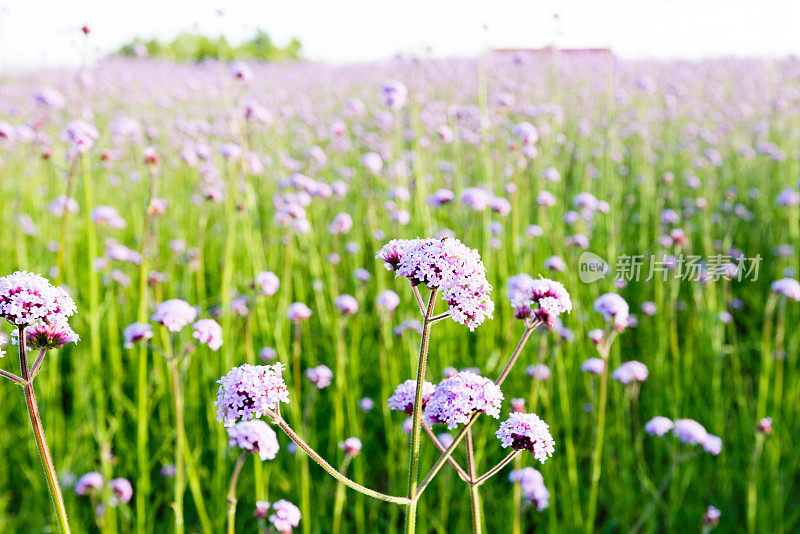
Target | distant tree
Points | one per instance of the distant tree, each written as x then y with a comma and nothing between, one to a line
195,47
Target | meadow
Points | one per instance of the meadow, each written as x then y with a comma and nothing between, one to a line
207,175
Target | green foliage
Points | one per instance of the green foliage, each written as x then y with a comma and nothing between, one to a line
195,47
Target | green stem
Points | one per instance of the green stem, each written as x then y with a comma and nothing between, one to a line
657,497
474,495
237,469
328,467
179,476
41,441
413,468
494,470
752,484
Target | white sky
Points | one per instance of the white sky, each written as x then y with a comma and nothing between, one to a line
46,32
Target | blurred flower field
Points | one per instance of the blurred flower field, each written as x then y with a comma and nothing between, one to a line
260,194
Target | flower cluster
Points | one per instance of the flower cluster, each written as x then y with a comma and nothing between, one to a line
613,308
174,314
248,391
542,299
457,398
532,484
285,516
788,287
448,265
631,371
525,431
405,395
687,431
209,332
255,436
321,376
27,299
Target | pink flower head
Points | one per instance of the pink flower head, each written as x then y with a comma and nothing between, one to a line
174,314
241,71
405,395
29,299
532,485
689,431
89,482
525,431
321,376
457,398
788,287
658,426
136,333
285,516
248,391
613,307
262,509
593,365
388,300
712,444
108,216
446,264
122,491
297,311
347,304
712,515
373,162
631,371
539,371
255,436
351,446
765,425
269,283
394,94
542,299
80,134
52,335
341,224
209,332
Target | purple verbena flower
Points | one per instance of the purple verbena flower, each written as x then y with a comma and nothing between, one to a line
248,391
525,431
455,399
255,436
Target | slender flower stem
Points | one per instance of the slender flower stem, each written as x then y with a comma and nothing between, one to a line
11,376
179,476
237,469
475,498
38,363
496,469
439,317
597,454
419,300
413,468
328,467
460,470
513,359
41,442
752,484
443,458
676,461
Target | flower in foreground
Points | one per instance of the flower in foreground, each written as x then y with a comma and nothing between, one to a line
285,516
457,398
174,314
525,431
248,391
255,436
209,332
541,299
50,336
405,395
448,265
28,299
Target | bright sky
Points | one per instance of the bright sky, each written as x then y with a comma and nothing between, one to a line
47,32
